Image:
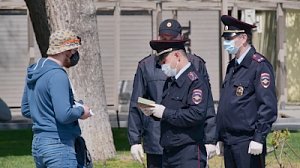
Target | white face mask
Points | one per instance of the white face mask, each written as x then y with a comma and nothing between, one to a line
170,72
229,46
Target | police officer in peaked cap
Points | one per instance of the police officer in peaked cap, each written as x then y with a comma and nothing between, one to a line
183,108
149,81
248,104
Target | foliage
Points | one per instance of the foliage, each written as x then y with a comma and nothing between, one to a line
282,148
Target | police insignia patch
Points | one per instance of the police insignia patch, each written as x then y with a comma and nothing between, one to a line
265,80
192,76
197,96
239,91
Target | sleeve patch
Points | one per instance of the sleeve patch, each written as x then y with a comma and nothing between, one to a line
197,96
265,80
193,76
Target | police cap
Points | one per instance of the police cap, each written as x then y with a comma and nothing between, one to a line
233,26
170,27
163,47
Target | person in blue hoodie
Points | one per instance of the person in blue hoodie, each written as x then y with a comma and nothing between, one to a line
48,101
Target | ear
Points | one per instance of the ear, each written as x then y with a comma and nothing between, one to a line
177,54
68,53
245,38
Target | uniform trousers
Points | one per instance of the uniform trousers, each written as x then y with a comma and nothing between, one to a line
237,156
154,161
185,156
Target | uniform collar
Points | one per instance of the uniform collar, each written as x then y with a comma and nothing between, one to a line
182,70
248,58
239,60
180,80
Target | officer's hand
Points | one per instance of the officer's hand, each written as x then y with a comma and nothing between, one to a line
137,152
158,110
146,110
210,150
220,148
255,148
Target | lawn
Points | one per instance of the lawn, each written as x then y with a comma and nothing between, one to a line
15,151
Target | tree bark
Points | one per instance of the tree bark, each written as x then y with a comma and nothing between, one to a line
37,12
86,76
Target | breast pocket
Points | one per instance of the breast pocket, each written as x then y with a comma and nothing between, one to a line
178,101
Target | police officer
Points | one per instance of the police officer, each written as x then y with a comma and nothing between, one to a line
248,104
148,83
183,107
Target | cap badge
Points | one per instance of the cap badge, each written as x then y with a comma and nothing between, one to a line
226,28
169,24
239,91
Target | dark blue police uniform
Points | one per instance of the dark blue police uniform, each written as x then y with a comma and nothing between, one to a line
182,123
247,107
248,104
148,83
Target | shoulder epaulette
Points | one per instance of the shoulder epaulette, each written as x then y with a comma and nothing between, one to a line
192,76
145,59
194,56
258,58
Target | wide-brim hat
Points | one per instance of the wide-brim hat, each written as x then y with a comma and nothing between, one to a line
63,40
233,26
163,47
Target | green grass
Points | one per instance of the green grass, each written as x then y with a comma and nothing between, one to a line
15,151
15,143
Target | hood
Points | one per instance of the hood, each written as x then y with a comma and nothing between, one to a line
35,71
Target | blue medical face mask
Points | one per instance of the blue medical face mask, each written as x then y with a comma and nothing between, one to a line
229,46
170,72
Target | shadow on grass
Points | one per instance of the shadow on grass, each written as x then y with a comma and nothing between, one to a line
18,142
15,142
120,139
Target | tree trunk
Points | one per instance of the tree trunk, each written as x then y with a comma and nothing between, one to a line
37,11
86,76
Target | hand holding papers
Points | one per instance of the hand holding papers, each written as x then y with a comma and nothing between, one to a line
80,104
149,107
146,105
142,102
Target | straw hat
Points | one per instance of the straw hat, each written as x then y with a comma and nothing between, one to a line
62,40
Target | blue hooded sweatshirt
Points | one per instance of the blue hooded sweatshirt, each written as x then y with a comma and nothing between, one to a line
48,100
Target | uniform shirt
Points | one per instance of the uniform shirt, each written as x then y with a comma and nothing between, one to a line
186,104
248,104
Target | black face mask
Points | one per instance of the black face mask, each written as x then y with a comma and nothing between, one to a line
74,58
